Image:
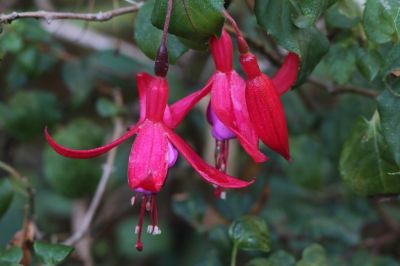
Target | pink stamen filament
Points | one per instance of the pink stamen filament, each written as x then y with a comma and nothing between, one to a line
221,162
139,244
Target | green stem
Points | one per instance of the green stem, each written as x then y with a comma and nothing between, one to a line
234,254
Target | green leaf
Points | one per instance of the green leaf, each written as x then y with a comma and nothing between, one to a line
6,195
349,8
313,255
71,177
191,19
148,37
343,15
28,112
313,45
366,164
311,10
369,63
382,20
276,18
278,258
79,80
389,110
10,256
341,61
52,254
250,233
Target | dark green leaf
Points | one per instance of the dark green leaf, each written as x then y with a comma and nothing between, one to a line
78,78
279,258
276,18
342,16
366,164
52,254
71,177
349,8
313,255
11,256
313,45
389,110
250,233
381,20
148,37
341,61
28,112
310,11
369,63
6,195
191,19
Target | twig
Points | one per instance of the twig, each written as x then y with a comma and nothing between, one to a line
107,170
336,90
28,190
29,228
50,16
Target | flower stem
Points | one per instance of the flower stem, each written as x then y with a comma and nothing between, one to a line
242,44
234,254
161,63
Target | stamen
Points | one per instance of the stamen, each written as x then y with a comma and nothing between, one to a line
150,229
139,244
221,162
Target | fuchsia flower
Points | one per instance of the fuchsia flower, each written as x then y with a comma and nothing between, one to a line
227,112
250,109
264,105
153,150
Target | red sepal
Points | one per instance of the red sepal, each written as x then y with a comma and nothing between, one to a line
287,73
267,114
85,154
207,172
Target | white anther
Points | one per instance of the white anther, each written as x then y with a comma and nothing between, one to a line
223,195
156,230
149,229
137,228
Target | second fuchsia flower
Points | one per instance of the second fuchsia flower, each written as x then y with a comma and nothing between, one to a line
249,110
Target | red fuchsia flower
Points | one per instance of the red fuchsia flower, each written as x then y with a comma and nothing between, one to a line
227,111
262,95
153,150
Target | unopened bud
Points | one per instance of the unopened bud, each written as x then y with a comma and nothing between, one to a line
161,64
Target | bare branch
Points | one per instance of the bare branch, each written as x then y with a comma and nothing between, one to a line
335,90
101,187
49,16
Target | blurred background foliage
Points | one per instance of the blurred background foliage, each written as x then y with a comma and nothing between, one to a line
336,203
